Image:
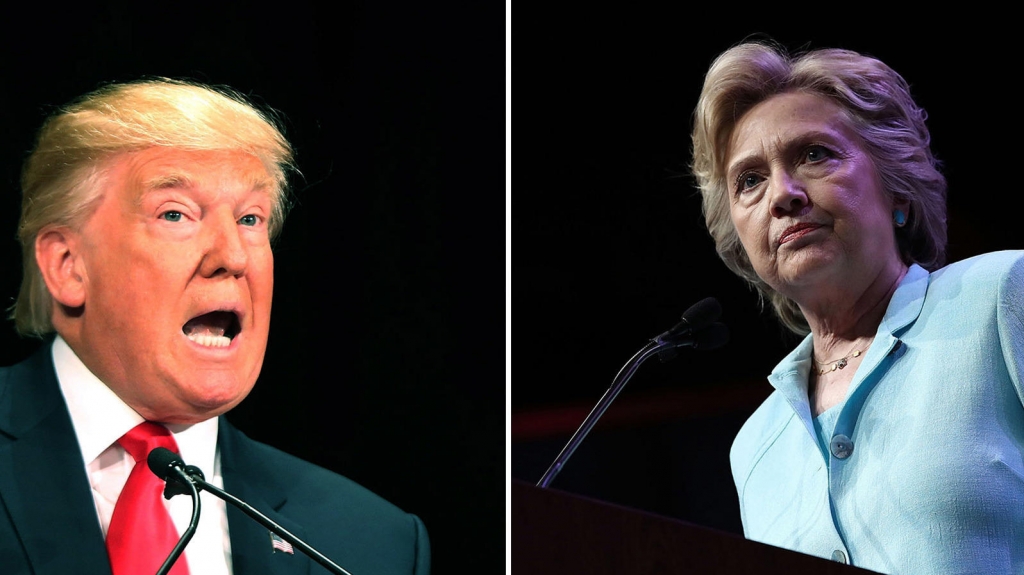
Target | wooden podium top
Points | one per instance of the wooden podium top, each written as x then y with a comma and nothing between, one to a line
554,532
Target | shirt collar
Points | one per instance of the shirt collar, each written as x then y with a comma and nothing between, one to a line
791,374
904,307
100,417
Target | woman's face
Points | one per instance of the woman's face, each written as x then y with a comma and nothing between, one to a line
805,197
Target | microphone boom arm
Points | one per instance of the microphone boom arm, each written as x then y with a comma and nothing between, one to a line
271,525
627,371
698,329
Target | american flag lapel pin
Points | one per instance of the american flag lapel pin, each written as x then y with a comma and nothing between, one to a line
278,544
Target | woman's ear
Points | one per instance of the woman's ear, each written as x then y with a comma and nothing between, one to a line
59,260
900,213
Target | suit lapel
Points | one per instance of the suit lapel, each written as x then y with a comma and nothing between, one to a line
251,544
43,484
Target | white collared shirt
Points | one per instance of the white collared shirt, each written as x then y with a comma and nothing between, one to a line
100,418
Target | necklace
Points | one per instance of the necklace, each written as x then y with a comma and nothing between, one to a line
836,363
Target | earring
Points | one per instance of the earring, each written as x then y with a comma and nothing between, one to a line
899,218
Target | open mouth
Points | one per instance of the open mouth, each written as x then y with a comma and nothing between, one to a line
214,329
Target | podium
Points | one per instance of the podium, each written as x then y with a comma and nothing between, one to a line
559,533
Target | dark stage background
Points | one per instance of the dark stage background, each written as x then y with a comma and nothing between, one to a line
387,347
611,247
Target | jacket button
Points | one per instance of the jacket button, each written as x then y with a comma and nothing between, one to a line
841,446
838,556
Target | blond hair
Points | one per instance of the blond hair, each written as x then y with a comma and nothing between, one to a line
876,101
61,181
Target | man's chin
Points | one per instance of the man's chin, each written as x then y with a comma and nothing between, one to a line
193,405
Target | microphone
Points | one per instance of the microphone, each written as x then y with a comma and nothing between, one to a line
697,329
696,317
168,466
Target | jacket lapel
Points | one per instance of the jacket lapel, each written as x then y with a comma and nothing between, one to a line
43,484
252,551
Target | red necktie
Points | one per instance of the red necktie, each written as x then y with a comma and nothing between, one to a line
141,534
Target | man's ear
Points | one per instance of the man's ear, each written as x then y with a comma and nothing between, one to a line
58,257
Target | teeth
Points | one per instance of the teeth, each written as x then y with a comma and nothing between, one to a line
208,340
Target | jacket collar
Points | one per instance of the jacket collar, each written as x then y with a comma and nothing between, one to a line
248,477
790,376
43,484
46,493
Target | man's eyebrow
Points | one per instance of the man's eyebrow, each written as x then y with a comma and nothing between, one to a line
167,181
179,181
257,183
262,184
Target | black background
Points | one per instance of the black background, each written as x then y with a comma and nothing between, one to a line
387,346
611,246
397,111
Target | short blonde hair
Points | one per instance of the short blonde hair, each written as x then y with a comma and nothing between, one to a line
876,101
62,180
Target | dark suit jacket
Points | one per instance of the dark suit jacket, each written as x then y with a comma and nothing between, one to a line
48,521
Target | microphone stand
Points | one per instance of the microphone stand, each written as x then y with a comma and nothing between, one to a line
181,478
185,480
609,396
708,337
197,478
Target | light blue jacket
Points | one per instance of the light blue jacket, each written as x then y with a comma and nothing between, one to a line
921,469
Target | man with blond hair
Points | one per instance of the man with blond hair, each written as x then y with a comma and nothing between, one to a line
148,211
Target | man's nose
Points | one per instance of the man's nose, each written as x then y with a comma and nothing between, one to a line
225,253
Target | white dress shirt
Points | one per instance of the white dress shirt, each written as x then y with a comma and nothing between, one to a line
100,418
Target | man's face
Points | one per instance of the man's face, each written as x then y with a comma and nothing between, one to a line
178,275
